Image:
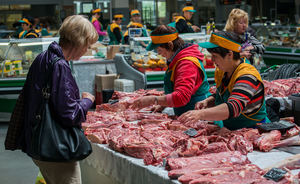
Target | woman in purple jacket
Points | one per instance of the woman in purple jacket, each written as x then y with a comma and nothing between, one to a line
67,105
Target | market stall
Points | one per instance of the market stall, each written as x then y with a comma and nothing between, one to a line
145,147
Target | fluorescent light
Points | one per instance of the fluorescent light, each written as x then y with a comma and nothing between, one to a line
33,43
4,44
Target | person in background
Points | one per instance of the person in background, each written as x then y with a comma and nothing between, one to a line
182,22
238,22
67,106
135,17
135,23
185,81
44,30
114,30
36,23
28,31
239,100
174,17
95,15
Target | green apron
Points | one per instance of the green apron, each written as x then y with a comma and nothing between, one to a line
172,24
112,37
22,34
201,94
242,121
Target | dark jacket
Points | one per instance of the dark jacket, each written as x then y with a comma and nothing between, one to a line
65,102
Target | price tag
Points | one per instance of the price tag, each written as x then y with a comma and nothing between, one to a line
275,174
191,132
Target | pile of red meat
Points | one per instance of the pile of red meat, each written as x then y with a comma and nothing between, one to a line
224,167
277,88
282,87
155,137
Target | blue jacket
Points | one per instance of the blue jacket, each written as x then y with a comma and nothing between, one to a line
65,100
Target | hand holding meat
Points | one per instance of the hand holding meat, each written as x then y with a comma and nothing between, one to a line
190,116
143,102
201,105
88,95
157,108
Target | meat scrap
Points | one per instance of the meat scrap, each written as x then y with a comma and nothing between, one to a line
267,141
231,157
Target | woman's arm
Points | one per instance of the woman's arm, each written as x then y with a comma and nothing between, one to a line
217,113
98,28
65,99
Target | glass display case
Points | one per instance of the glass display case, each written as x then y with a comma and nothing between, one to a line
282,43
16,56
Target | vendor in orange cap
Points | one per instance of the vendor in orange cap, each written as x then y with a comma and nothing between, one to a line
182,23
185,81
95,15
114,30
135,23
240,99
28,31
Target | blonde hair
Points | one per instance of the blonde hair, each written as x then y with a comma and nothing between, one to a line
234,16
77,31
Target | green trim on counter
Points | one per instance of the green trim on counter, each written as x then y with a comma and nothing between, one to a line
277,49
7,105
157,77
12,83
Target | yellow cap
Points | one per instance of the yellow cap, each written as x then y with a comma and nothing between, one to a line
98,10
118,16
134,12
189,8
24,20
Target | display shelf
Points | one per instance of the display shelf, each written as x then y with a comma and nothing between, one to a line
12,79
281,55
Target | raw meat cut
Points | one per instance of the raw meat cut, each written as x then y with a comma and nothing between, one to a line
267,140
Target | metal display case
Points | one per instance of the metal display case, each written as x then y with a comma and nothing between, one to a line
282,44
16,56
151,79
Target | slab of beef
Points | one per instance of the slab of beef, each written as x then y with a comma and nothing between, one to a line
267,141
177,125
231,157
239,143
215,147
235,177
292,141
292,132
248,133
282,87
191,147
210,128
100,137
116,107
220,170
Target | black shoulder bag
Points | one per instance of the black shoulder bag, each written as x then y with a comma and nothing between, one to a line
50,140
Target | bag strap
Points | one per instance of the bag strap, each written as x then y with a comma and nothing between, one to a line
46,89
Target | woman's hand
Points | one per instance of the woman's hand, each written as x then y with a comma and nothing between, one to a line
143,102
157,108
190,116
201,105
88,95
246,52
